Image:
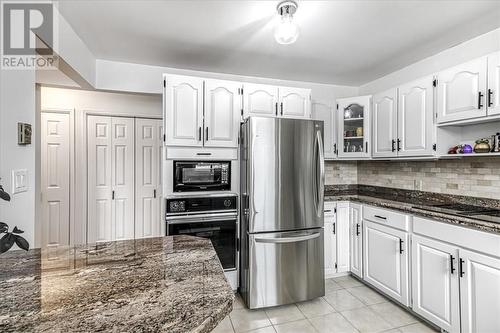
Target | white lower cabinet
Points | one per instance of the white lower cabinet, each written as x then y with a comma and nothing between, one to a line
479,292
385,260
435,282
356,243
336,238
330,239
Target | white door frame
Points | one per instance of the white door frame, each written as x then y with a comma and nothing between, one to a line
81,203
72,173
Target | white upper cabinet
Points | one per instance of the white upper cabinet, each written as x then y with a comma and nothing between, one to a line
493,93
415,118
479,292
353,116
324,111
461,91
222,113
385,121
294,102
184,111
260,100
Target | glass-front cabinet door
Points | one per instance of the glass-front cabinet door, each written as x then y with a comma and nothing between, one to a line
354,127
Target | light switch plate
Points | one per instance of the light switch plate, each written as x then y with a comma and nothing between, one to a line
19,181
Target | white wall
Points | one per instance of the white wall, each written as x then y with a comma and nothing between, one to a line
471,49
17,104
94,102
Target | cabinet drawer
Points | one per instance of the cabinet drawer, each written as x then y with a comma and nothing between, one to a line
387,217
330,207
202,153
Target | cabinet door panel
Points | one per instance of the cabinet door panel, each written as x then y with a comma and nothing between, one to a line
479,292
356,229
493,94
295,102
330,246
260,100
222,113
323,111
435,287
342,233
184,111
353,121
458,91
385,260
385,117
415,123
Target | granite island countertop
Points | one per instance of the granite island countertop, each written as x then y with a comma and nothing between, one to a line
165,284
416,203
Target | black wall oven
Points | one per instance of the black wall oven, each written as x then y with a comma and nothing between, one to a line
214,218
190,176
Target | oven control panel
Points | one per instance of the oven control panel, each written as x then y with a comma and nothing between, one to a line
201,204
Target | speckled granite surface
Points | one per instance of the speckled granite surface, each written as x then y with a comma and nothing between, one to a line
414,202
167,284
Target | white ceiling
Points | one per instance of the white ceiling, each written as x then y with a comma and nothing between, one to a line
341,42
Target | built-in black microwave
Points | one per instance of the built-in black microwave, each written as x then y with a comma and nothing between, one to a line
190,176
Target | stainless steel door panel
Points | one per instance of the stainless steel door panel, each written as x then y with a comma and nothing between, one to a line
285,268
286,174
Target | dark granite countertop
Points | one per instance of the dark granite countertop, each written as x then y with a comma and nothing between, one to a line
414,202
166,284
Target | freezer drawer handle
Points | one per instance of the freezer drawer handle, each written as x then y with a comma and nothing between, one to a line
288,239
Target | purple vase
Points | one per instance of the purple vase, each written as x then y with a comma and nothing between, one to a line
467,149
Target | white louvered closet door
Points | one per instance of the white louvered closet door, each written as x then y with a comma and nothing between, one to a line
110,159
148,137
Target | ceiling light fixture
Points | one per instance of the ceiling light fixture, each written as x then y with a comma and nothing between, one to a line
286,31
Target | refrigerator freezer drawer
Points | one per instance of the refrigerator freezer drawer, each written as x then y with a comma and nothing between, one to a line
285,267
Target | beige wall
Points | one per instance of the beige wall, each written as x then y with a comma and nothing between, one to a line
471,176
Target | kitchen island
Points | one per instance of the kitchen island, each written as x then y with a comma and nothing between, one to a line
166,284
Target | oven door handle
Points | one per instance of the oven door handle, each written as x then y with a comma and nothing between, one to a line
202,218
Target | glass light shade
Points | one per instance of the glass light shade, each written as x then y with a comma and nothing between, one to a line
286,31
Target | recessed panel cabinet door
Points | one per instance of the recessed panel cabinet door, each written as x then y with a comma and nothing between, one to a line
122,165
493,94
184,111
435,286
385,260
295,103
479,292
260,100
330,245
147,177
323,111
356,244
461,91
342,232
222,113
99,146
415,118
385,120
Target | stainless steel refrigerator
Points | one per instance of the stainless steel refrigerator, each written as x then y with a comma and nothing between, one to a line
282,191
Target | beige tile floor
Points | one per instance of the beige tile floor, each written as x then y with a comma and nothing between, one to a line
348,306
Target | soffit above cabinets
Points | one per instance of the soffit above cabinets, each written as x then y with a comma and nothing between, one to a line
341,42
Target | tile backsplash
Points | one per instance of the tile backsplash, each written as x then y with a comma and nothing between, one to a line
471,176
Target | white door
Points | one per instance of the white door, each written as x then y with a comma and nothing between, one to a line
330,244
493,94
184,111
356,244
461,91
385,123
435,286
122,166
260,100
415,118
55,182
99,187
324,111
385,260
342,233
222,113
479,292
147,177
353,121
295,103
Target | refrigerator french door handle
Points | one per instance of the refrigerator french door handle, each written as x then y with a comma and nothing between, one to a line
321,179
287,239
